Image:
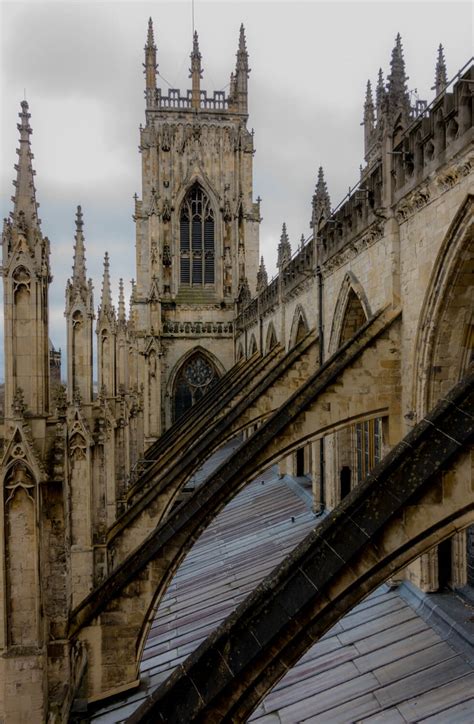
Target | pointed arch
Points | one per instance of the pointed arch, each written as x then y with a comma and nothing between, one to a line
253,346
271,339
192,376
351,311
445,336
240,352
299,326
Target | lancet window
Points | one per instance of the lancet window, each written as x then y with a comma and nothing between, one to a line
197,244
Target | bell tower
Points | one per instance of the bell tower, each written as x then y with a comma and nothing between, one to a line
197,225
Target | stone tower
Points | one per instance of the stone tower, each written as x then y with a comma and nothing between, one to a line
197,230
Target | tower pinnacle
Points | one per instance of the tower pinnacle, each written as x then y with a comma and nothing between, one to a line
380,94
441,79
195,72
242,70
25,210
150,67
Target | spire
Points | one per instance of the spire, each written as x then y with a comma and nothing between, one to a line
441,79
398,97
25,210
242,71
150,67
195,72
106,296
132,300
262,277
369,106
321,201
284,248
79,265
122,317
380,94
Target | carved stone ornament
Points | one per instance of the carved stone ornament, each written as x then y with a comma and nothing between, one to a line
19,477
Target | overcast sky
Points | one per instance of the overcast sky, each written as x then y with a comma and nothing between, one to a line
80,65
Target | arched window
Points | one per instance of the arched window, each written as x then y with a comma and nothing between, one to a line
197,252
194,379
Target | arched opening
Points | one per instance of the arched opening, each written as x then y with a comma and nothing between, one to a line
252,346
301,330
299,326
240,352
354,317
197,243
271,339
195,378
300,462
345,481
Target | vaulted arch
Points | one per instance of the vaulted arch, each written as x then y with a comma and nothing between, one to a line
350,313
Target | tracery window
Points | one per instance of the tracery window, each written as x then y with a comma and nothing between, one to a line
197,246
195,378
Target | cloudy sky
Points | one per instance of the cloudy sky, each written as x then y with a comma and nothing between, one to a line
79,64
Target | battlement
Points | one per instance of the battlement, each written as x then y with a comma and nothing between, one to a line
219,101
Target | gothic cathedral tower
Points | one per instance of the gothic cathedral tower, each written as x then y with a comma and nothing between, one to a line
197,230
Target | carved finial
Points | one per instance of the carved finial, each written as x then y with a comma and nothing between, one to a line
262,277
398,97
284,248
302,240
195,72
244,296
77,399
321,201
441,79
18,403
150,41
60,400
132,300
25,210
122,317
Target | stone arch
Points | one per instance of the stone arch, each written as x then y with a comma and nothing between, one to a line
271,339
191,378
253,346
351,311
299,326
443,323
240,352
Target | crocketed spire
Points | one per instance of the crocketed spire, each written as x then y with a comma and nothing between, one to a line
284,248
121,316
262,277
369,116
79,265
321,200
441,79
380,94
106,295
398,98
25,209
150,67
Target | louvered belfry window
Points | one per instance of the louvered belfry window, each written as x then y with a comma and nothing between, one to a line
196,239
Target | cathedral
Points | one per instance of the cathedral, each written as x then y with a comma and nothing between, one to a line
351,371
